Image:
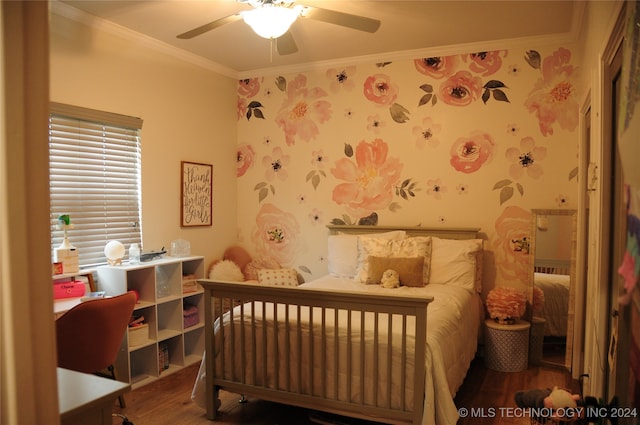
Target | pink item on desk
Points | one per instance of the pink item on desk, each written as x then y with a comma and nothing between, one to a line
68,289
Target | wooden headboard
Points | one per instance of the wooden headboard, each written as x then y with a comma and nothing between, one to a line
440,232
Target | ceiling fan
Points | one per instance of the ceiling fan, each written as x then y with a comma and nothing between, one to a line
272,18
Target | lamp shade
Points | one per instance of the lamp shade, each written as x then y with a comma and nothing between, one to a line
270,21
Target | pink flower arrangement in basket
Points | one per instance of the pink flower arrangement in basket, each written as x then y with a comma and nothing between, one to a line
538,301
506,305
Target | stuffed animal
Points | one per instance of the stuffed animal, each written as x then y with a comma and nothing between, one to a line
550,398
390,279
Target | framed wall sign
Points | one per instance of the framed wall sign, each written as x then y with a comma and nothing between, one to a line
196,192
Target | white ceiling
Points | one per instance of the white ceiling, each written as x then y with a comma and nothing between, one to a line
407,26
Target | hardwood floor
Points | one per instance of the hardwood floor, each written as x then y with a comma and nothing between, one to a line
168,400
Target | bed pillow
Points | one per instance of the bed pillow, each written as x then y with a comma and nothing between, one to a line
370,246
410,269
453,262
278,277
342,257
416,246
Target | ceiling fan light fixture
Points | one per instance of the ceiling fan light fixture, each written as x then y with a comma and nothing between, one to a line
271,21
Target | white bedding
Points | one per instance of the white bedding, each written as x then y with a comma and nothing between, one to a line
556,302
453,323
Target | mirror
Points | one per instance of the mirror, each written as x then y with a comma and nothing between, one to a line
552,273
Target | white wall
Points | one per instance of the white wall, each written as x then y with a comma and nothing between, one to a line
188,113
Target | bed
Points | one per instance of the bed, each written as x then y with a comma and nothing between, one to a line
342,346
553,277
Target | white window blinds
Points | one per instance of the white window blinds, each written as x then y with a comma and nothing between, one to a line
94,170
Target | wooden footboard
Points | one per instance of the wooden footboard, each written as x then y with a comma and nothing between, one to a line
321,350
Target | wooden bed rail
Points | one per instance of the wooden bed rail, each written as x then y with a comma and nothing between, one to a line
317,349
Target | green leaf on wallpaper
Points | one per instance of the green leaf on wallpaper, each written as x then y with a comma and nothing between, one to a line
485,96
309,175
322,173
258,113
494,84
399,113
573,173
500,95
249,111
348,150
304,269
259,186
394,206
254,104
505,194
281,83
427,88
502,183
434,100
262,194
520,189
425,99
315,181
273,189
337,221
347,219
533,58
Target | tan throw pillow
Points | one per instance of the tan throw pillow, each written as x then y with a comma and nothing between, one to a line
278,277
409,269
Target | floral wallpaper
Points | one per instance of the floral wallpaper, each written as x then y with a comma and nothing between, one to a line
467,140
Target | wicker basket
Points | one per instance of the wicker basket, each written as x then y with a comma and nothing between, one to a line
138,335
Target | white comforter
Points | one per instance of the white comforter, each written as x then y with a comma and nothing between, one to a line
453,323
556,302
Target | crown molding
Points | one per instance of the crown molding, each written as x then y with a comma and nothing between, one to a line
82,17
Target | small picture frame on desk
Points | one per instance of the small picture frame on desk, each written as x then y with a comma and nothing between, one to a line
196,190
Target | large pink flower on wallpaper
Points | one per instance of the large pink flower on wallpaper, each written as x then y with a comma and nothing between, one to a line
554,98
468,154
461,89
249,87
244,159
302,111
511,245
276,235
526,159
379,89
486,63
369,181
436,67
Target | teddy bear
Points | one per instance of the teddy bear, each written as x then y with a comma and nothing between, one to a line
390,279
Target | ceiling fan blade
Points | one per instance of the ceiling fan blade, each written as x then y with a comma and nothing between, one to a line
356,22
285,44
208,27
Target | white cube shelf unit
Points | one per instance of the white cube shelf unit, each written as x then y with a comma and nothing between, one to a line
162,301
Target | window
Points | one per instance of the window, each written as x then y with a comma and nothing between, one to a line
94,177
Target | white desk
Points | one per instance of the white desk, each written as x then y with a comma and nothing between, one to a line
85,399
63,305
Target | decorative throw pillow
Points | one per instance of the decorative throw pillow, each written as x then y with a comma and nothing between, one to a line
251,270
410,269
226,270
417,246
238,255
453,262
367,246
342,254
278,277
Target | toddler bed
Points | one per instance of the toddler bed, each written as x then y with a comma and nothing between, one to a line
340,345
